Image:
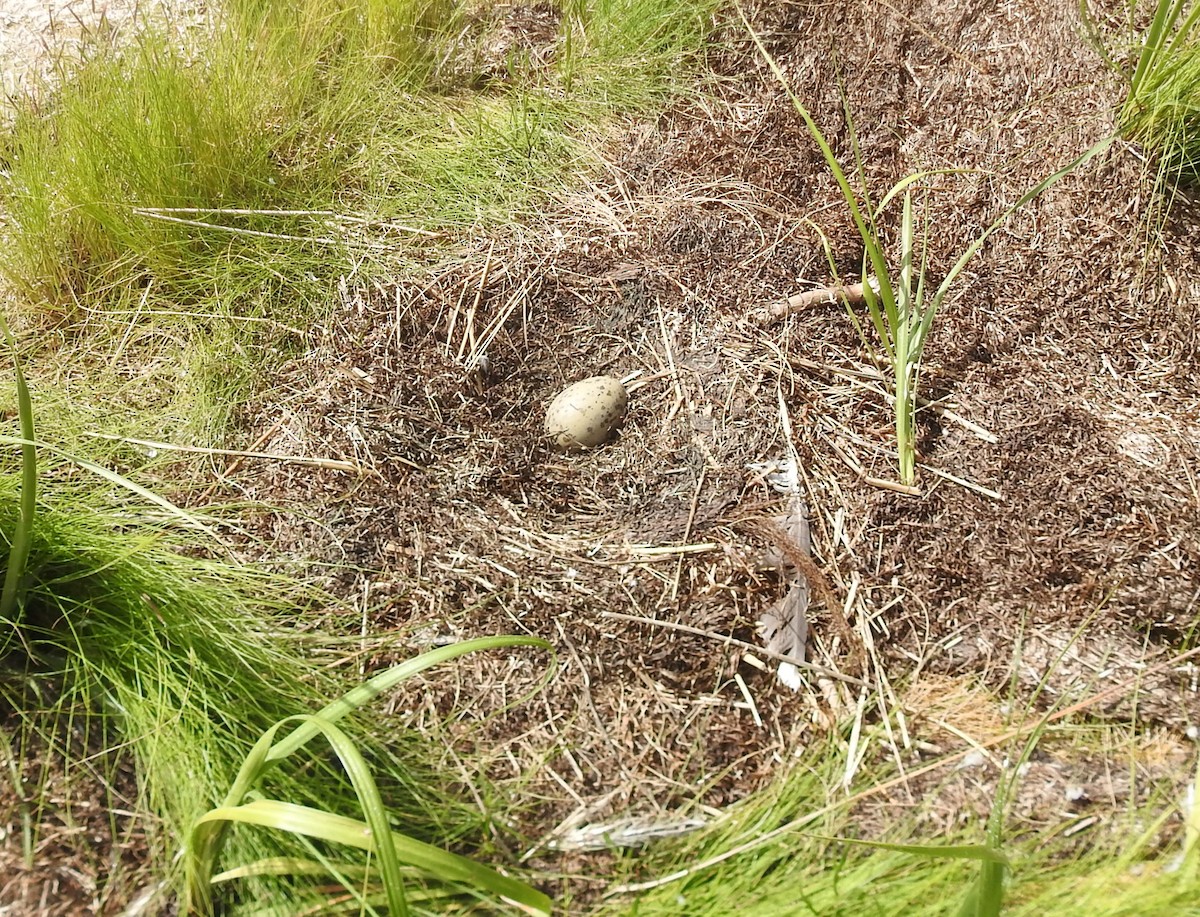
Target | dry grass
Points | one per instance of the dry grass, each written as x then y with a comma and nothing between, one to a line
1051,498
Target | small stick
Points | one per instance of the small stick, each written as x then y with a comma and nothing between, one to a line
986,435
680,398
881,483
236,465
201,224
238,211
851,294
745,689
335,464
687,532
963,482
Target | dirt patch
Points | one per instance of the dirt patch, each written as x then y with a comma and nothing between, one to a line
1085,793
1055,537
71,837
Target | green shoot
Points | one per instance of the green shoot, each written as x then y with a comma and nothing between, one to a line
244,805
986,894
900,305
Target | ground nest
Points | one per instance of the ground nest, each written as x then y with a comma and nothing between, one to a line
1053,544
1055,529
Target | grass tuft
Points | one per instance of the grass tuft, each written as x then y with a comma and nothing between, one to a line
281,110
203,192
778,853
182,661
1161,110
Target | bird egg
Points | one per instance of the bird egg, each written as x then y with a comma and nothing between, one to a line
585,414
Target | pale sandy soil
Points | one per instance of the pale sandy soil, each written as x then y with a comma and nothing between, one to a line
35,34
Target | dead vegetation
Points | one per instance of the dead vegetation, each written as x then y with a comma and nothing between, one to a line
1053,540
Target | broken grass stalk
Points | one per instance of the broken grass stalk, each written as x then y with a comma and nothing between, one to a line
400,857
901,310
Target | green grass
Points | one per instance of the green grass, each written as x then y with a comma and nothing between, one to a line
115,640
122,647
347,130
818,842
452,875
181,660
777,853
1160,65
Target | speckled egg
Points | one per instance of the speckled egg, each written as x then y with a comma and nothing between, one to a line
586,413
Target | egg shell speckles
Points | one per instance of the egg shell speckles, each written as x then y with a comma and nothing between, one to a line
585,414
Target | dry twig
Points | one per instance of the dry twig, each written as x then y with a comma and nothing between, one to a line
334,464
850,294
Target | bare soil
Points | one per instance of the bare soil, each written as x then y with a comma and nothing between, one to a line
1053,546
38,35
72,837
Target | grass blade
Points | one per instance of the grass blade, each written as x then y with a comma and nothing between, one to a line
1166,14
373,808
22,537
277,866
392,677
981,852
986,896
864,224
1024,199
339,829
30,445
209,831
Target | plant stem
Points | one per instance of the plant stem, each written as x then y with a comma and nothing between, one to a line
905,425
23,536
